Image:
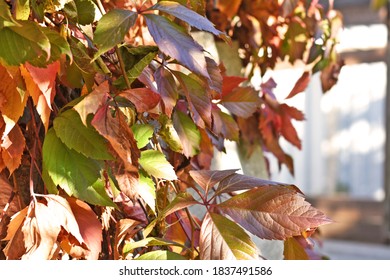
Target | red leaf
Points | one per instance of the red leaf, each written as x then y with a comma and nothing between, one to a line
287,129
93,101
144,99
45,79
198,98
300,85
231,82
119,135
273,212
90,229
208,179
242,101
167,88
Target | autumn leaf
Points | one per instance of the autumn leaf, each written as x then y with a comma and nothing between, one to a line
229,7
12,98
174,41
300,85
167,88
112,28
241,101
198,98
189,16
125,230
272,212
90,230
293,250
207,179
119,135
189,135
144,99
156,165
12,148
222,239
224,124
93,101
160,255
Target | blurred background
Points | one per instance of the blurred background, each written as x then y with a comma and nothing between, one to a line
342,165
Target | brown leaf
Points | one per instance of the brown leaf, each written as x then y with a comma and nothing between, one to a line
242,101
144,99
119,135
273,212
125,230
93,101
229,7
8,204
300,85
90,230
12,102
15,247
12,148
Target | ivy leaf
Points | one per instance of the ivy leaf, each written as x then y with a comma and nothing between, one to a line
182,200
293,250
189,16
85,140
72,171
188,133
119,135
300,85
160,255
148,242
198,99
272,212
144,99
167,88
207,179
224,124
12,150
80,11
93,101
222,239
169,134
12,99
112,28
155,164
142,134
174,41
242,101
136,70
25,42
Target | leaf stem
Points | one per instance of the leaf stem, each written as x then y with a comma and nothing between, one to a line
122,66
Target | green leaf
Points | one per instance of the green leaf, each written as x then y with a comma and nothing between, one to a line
22,9
83,139
161,255
81,11
23,43
155,164
147,190
174,41
142,134
6,18
136,70
76,174
148,242
189,16
222,239
189,134
112,28
169,134
58,45
182,200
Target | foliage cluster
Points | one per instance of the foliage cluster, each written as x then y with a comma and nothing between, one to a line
110,115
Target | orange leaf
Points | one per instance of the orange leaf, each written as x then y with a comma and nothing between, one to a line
45,78
293,250
12,149
125,230
12,102
37,96
90,228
